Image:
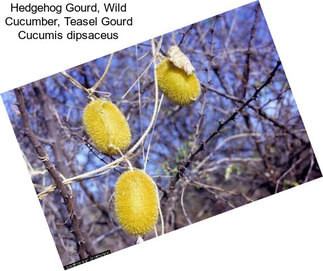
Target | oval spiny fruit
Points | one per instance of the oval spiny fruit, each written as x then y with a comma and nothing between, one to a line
106,126
178,86
136,202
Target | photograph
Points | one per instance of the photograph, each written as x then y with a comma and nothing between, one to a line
160,135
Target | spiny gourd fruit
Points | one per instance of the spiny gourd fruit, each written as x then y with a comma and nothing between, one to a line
136,202
106,126
176,78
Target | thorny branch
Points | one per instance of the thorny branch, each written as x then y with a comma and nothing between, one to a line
191,157
83,247
261,113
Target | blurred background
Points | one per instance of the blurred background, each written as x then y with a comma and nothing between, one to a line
264,150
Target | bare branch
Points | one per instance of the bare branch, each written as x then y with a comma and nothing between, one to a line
57,177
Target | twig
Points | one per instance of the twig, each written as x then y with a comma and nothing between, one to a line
309,169
182,204
201,112
99,82
191,157
219,189
91,90
260,112
286,173
151,134
184,35
57,177
137,80
107,234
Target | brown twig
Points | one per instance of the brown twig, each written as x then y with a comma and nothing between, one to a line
57,177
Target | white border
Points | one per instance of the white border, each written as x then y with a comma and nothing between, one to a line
281,232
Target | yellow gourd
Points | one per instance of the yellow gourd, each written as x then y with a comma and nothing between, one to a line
136,202
176,84
106,126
